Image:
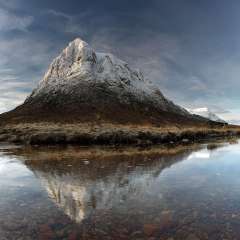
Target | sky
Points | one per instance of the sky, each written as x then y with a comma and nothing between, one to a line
189,48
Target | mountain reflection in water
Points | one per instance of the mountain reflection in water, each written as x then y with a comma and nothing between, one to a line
82,184
183,192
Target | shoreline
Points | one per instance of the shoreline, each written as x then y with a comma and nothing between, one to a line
109,134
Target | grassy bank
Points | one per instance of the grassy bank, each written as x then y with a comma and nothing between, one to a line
108,134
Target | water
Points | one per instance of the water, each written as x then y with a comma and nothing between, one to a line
186,192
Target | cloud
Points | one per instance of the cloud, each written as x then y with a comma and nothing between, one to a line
10,21
162,59
25,55
11,90
62,22
10,4
10,99
157,39
59,14
22,65
231,117
218,109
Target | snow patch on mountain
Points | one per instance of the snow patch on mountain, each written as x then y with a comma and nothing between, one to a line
206,113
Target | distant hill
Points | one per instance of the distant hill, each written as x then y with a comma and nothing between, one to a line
205,112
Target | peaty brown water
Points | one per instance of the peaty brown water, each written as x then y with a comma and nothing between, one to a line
186,192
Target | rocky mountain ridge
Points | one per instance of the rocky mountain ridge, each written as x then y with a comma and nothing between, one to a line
82,85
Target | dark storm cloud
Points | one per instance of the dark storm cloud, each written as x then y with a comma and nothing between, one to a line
189,48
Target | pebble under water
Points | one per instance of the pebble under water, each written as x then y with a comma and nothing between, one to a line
187,192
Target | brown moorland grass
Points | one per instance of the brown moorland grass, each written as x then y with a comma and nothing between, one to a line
109,134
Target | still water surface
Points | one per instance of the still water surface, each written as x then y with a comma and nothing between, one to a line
186,192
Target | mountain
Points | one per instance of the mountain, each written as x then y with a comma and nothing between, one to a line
73,185
206,113
82,85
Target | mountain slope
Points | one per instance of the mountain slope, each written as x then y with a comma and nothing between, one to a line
205,112
82,85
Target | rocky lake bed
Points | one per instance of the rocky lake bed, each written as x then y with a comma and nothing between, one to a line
177,192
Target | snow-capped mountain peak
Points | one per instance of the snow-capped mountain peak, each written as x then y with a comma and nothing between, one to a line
80,65
83,85
78,58
70,60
